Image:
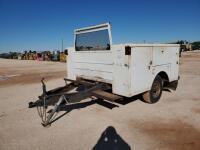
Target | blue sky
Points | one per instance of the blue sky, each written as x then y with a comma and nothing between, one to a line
42,24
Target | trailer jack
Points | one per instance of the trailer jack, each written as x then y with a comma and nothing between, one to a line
49,103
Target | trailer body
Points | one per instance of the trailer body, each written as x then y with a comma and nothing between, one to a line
97,68
129,68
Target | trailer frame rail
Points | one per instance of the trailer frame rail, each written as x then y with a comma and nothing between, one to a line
74,91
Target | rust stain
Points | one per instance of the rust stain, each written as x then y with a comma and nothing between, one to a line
196,110
175,135
196,99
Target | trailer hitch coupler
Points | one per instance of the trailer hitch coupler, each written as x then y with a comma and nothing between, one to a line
31,104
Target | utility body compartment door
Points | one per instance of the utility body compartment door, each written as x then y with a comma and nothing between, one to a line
141,71
166,59
121,71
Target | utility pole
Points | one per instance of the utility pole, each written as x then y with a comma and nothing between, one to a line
62,46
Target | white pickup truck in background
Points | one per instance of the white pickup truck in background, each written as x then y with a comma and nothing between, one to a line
130,69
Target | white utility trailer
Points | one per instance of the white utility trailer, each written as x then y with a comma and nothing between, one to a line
96,67
131,69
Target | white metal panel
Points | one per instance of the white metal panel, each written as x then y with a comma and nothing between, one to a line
167,56
141,71
174,59
92,65
161,55
121,71
149,45
161,68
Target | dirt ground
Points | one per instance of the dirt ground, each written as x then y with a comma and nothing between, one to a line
29,71
171,124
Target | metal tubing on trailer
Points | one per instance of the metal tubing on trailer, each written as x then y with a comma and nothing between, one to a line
73,92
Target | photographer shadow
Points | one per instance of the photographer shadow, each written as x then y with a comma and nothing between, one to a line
111,140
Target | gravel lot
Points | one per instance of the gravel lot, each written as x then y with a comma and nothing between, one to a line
171,124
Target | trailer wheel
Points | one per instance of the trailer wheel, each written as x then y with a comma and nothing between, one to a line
155,93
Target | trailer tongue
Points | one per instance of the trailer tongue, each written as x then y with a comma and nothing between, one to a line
50,102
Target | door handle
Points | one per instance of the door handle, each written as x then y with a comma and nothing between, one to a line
126,65
150,64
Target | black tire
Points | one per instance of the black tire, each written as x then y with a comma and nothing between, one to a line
155,93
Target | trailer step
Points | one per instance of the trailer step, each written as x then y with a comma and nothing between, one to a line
106,95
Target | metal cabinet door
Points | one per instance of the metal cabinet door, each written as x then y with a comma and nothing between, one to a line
121,71
141,72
